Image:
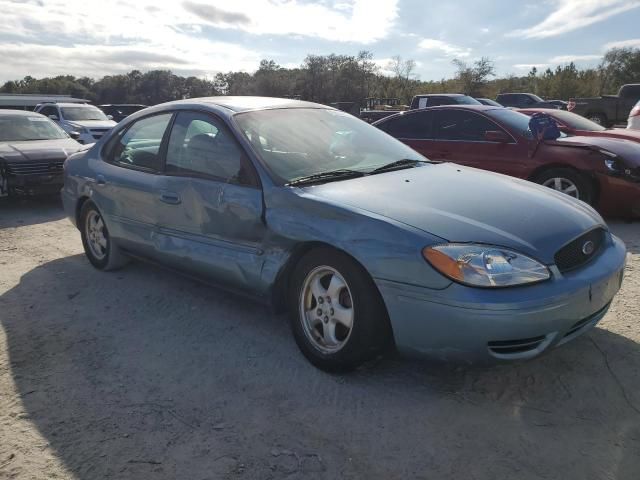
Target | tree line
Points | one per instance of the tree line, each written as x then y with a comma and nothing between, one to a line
344,78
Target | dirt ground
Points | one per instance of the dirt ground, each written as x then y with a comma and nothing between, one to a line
143,374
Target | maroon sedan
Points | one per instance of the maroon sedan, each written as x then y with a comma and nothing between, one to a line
604,172
574,124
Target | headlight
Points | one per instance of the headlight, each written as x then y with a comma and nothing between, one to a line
485,265
616,167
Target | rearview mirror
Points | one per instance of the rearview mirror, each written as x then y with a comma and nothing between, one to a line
75,135
496,136
53,117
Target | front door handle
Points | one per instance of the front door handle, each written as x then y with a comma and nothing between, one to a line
171,198
100,180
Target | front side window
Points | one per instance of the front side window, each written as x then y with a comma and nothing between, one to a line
201,145
139,146
460,125
20,128
49,110
82,113
298,142
409,126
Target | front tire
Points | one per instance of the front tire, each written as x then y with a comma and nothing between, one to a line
99,248
569,182
337,314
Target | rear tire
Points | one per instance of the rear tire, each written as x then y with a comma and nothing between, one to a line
567,181
337,315
99,248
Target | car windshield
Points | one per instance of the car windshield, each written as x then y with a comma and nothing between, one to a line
83,113
20,128
299,142
536,98
577,122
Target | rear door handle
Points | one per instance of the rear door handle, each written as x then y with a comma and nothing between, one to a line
171,198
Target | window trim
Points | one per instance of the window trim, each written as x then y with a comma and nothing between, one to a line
106,152
244,158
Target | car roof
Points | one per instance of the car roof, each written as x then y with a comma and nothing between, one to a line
442,95
22,113
247,103
63,104
122,105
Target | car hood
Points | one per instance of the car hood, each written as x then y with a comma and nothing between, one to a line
39,149
626,149
91,123
464,204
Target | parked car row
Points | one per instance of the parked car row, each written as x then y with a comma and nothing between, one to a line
367,243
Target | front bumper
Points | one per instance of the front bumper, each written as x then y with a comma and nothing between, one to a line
478,325
619,197
35,184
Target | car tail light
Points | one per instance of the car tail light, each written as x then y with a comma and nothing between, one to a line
635,111
571,105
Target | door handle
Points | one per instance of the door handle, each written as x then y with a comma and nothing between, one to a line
171,198
100,180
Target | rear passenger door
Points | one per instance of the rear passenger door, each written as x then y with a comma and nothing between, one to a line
125,185
210,211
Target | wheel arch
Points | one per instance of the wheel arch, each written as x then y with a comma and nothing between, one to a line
281,284
80,203
591,178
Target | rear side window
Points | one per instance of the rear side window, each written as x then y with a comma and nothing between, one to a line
631,91
460,125
139,146
409,126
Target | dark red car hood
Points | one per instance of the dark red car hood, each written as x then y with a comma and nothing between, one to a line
625,149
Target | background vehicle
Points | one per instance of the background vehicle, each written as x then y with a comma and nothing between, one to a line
273,197
377,108
120,111
433,100
32,152
633,123
600,171
561,104
523,100
573,124
607,110
488,101
29,101
89,121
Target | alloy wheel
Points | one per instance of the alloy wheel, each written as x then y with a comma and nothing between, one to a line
96,235
563,185
326,309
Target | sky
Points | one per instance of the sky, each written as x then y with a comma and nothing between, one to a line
203,37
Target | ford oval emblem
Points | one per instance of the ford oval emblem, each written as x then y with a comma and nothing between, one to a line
588,247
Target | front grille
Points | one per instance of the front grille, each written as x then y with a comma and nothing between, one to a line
97,133
506,347
52,167
573,255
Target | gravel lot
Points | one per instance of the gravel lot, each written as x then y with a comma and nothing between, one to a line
143,374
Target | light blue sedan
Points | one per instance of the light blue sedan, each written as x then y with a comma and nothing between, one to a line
366,243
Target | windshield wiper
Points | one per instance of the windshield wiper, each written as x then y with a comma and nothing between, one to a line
341,174
398,164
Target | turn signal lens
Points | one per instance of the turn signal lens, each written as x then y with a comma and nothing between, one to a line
485,265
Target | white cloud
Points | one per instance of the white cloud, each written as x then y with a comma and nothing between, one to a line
85,37
632,43
448,49
529,66
574,58
570,15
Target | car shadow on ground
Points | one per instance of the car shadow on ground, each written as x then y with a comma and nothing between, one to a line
30,210
142,373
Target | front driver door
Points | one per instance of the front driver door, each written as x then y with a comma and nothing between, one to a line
210,209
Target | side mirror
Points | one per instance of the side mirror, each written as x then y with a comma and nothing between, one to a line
75,135
54,117
497,136
110,117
